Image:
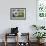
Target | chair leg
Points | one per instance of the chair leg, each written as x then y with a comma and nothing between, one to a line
5,39
5,43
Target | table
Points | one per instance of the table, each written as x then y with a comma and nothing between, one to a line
9,34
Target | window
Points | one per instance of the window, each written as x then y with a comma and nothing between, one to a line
41,8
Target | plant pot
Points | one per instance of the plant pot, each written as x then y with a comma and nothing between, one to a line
38,40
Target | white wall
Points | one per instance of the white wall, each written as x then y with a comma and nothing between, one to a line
24,25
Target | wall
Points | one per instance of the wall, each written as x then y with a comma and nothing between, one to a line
24,25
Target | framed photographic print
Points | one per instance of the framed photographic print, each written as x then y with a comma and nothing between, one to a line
17,13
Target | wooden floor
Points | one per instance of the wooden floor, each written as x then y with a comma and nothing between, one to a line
13,44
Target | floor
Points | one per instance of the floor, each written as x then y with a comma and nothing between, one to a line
13,44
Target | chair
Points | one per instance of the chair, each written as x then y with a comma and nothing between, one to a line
14,32
25,36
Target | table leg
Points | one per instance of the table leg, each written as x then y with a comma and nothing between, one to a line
5,40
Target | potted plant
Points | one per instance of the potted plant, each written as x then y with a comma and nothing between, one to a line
38,27
42,27
39,36
35,26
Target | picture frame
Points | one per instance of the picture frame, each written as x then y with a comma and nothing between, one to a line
17,13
